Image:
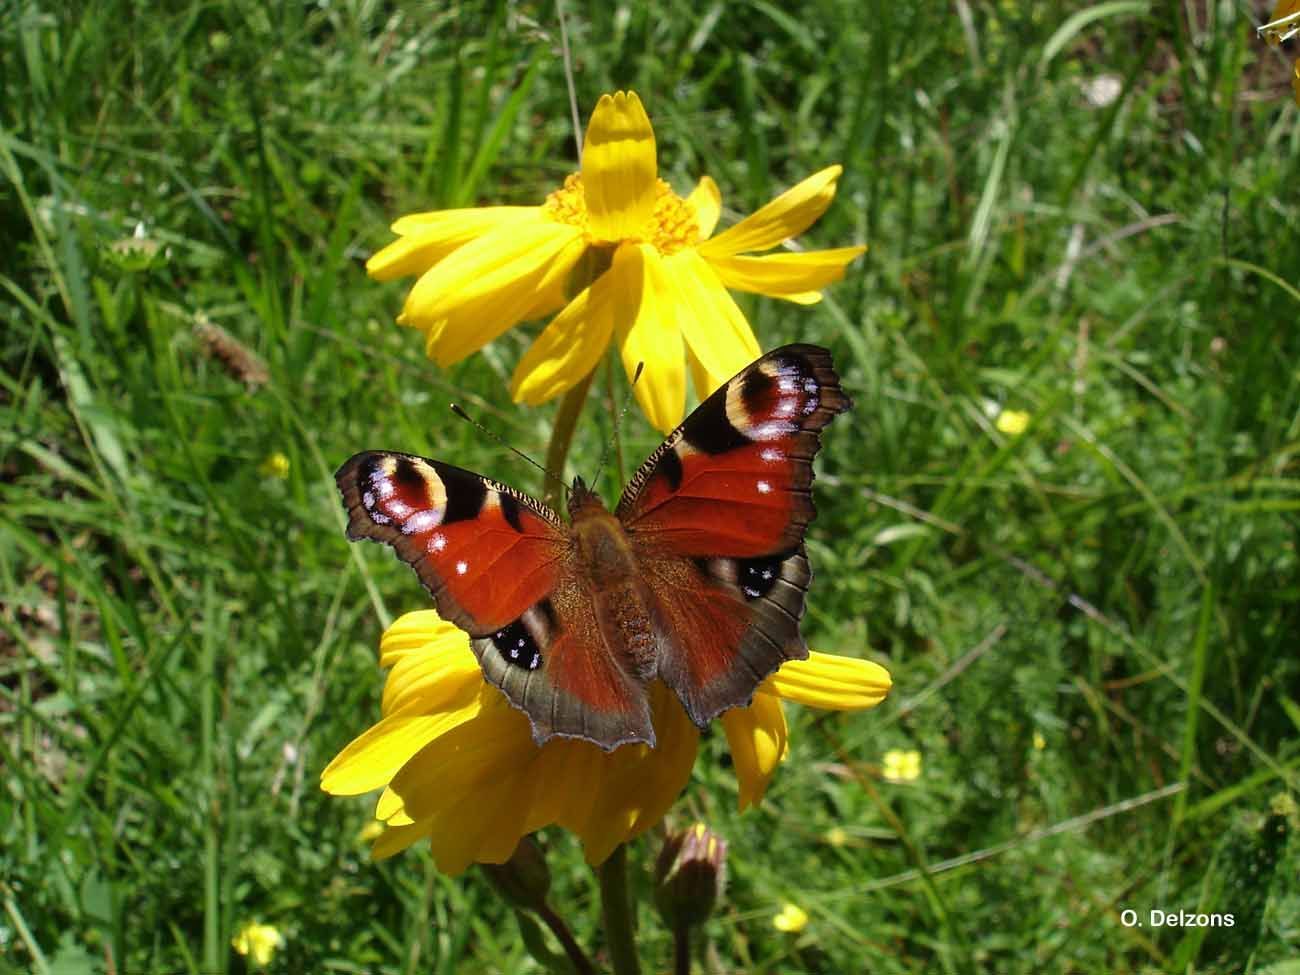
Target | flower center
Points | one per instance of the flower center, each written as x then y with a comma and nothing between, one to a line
672,227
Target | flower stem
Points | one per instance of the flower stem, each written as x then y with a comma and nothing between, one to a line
616,911
557,451
682,950
581,963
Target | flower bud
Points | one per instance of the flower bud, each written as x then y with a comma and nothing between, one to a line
524,880
689,876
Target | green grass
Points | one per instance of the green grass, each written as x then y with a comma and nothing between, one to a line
185,642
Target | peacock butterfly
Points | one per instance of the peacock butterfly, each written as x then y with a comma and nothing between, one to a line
697,578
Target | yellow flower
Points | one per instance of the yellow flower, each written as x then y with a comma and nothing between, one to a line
624,257
458,765
791,918
259,942
901,766
275,465
837,836
1012,422
1039,741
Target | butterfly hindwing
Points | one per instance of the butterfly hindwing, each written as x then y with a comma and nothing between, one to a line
718,514
499,565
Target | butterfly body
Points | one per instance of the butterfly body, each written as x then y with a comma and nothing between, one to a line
697,578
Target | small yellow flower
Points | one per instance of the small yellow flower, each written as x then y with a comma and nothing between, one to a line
258,942
791,918
275,465
1012,422
837,836
901,766
459,767
621,257
1039,741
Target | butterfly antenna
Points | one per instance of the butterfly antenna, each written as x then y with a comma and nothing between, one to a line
618,422
455,408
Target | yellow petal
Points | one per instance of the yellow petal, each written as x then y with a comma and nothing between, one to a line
757,737
373,758
706,198
395,839
825,680
669,767
654,338
573,343
465,759
468,223
619,168
641,783
585,767
497,265
432,682
789,215
477,827
565,765
391,810
712,323
617,804
420,631
426,238
785,274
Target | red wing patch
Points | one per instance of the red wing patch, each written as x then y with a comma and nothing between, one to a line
485,552
735,478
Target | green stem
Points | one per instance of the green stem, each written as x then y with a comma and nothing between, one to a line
557,451
616,911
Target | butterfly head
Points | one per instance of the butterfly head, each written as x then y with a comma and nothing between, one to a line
581,496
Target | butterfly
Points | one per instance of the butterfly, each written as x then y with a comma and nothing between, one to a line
697,578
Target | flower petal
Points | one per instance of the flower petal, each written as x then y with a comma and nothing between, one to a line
758,738
375,756
669,769
713,325
619,168
476,827
420,631
426,238
617,804
825,680
785,274
573,343
499,265
431,682
789,215
706,198
654,338
569,768
470,222
395,839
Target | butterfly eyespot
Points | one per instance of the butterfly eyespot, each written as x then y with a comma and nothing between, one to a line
764,487
462,567
517,646
756,577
